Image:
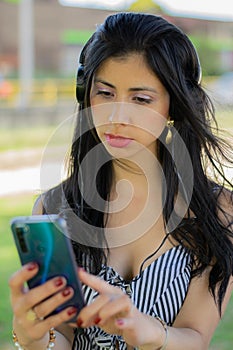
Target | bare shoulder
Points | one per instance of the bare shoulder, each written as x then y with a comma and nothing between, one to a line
225,203
225,198
38,206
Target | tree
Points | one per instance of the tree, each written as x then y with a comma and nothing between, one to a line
145,6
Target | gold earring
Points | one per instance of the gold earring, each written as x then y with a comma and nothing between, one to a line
170,124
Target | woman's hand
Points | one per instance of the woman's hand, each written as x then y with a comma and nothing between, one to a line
31,307
114,312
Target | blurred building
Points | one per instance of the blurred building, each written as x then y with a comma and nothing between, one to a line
60,32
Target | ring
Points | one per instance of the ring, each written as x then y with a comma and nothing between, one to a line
37,317
32,316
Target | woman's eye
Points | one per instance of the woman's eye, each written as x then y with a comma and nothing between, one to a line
142,100
104,93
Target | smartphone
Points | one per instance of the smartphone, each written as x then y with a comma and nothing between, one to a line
44,239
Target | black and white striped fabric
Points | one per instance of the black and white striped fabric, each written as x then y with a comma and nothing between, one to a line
159,290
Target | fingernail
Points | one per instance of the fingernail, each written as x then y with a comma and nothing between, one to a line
97,320
79,322
58,282
31,266
66,292
120,322
72,311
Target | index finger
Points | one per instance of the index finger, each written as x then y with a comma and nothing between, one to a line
97,283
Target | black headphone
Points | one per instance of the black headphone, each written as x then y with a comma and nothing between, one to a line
80,82
80,77
199,69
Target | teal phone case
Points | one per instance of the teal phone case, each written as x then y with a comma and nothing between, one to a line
44,239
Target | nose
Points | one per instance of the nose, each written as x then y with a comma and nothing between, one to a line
120,113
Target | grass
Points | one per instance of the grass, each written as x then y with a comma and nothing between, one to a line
9,207
224,119
20,138
223,337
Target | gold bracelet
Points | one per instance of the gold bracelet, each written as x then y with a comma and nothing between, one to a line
51,343
163,347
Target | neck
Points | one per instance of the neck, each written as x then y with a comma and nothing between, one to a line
135,204
141,176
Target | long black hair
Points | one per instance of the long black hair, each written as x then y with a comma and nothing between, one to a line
172,57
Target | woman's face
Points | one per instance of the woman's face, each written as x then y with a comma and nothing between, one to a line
129,105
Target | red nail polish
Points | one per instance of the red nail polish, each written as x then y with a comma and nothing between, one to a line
79,322
120,322
58,282
72,311
31,266
97,320
66,292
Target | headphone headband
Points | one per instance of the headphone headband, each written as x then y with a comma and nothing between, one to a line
80,77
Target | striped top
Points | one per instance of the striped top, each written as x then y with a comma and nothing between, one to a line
159,290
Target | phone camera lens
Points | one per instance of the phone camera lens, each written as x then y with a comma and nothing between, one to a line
20,231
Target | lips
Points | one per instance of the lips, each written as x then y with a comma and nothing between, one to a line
117,141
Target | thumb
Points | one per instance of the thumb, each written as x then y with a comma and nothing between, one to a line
124,323
129,331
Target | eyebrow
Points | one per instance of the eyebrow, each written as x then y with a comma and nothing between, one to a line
139,88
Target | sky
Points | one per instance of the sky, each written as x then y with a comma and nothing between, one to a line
222,9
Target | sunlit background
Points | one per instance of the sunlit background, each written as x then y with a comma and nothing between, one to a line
203,9
40,42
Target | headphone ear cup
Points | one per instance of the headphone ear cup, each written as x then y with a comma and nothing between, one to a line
199,71
80,84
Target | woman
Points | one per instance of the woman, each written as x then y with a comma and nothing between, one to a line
150,224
